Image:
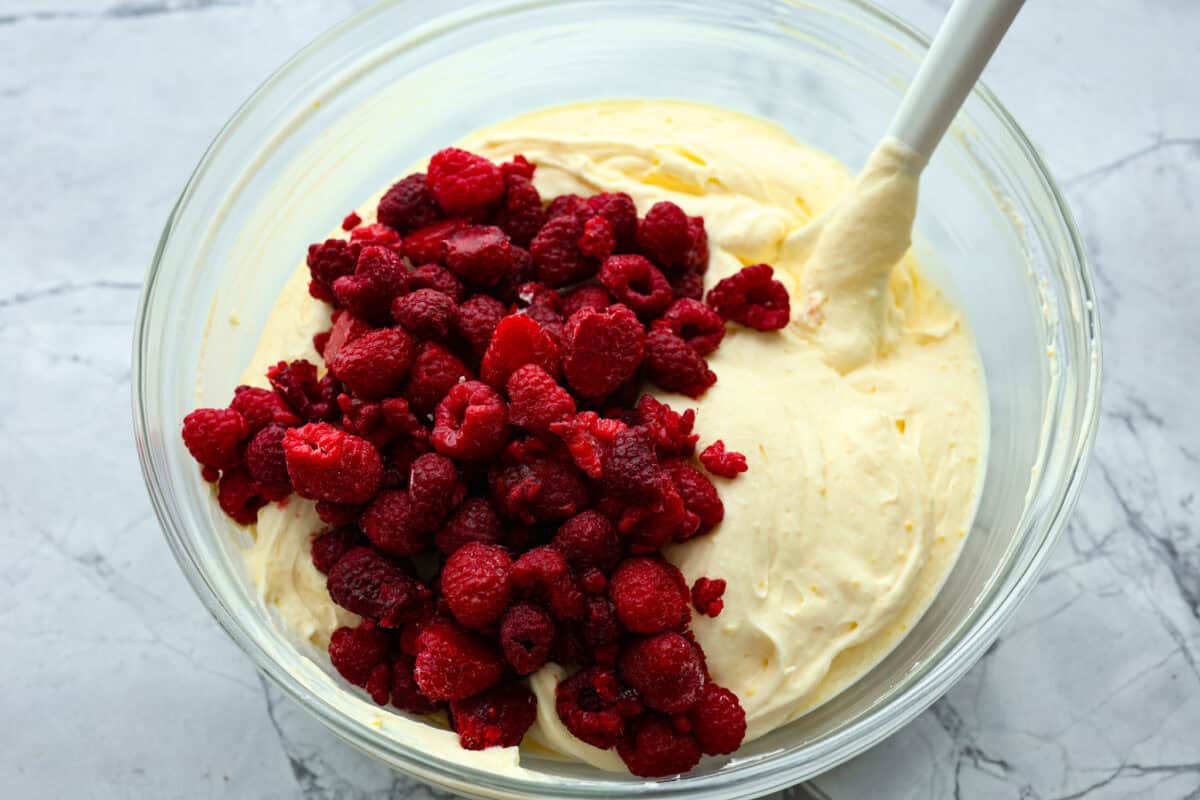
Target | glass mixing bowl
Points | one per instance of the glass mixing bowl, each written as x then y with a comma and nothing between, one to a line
992,226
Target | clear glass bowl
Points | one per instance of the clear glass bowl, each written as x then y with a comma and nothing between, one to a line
299,154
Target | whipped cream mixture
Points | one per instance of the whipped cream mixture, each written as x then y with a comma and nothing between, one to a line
863,421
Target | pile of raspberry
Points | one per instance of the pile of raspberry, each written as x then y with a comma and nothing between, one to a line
496,485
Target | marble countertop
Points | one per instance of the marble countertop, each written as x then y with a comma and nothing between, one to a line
116,681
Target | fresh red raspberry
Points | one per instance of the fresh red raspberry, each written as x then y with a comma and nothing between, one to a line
589,541
536,400
550,321
543,574
673,365
666,671
366,583
427,245
588,703
476,584
631,470
214,436
400,457
328,261
689,285
619,210
479,254
588,437
569,205
663,235
706,596
266,462
650,595
435,371
375,364
406,695
637,283
753,298
474,521
597,240
719,461
260,408
239,496
453,663
601,629
379,276
337,514
649,528
471,422
497,717
476,321
326,463
697,255
518,340
346,328
399,418
521,216
593,581
437,279
695,323
543,490
518,166
557,259
378,235
522,272
365,419
526,635
463,183
396,525
718,721
296,382
329,547
589,295
654,749
532,293
670,430
435,486
408,205
699,495
426,313
603,350
359,653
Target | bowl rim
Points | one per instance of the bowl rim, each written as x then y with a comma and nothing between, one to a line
770,772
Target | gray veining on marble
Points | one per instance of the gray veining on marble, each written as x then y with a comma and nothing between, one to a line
118,684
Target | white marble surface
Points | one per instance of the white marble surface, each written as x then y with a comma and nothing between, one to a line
116,683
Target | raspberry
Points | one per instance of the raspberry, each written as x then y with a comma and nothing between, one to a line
329,464
497,717
717,460
543,490
400,458
434,486
398,417
526,634
557,259
214,436
239,496
365,419
435,371
476,585
532,293
329,547
536,400
589,295
637,283
408,205
543,573
463,183
427,245
396,525
476,321
371,586
663,234
706,596
666,671
654,749
453,663
521,216
518,340
471,422
346,328
329,261
296,382
671,431
631,471
650,595
601,630
260,408
597,240
406,695
753,298
359,653
619,210
426,313
673,365
521,272
588,703
266,462
479,254
695,323
474,521
588,437
648,529
718,721
569,205
700,497
589,541
379,276
549,320
377,235
375,364
519,166
688,285
603,350
337,514
697,254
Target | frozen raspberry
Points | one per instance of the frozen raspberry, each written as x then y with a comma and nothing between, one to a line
522,272
266,461
518,340
396,525
476,321
588,541
532,293
497,717
337,514
569,205
601,629
463,183
358,653
214,436
666,671
326,463
619,210
588,437
406,695
719,461
588,703
378,235
471,422
329,261
543,573
427,245
589,295
378,277
550,321
479,254
365,419
543,490
753,298
536,400
699,495
474,521
399,418
518,166
557,259
239,496
400,457
695,323
650,595
435,371
476,584
296,382
408,205
697,254
435,486
670,430
371,586
426,313
329,547
597,240
689,285
663,234
375,364
592,581
261,407
652,748
673,365
320,341
453,663
346,328
718,721
637,283
526,635
521,216
603,350
631,470
706,596
648,529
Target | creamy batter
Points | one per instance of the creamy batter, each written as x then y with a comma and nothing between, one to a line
863,421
